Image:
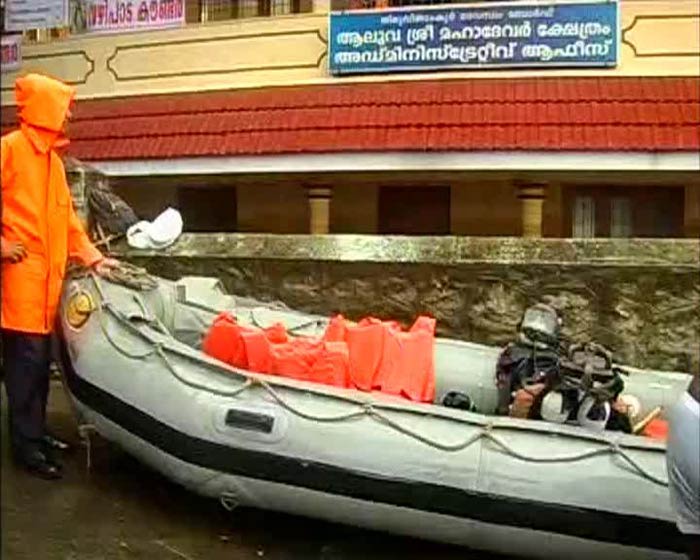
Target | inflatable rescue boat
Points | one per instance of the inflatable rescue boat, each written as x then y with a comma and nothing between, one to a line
132,359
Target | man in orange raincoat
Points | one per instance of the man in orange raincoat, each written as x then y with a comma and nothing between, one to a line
40,232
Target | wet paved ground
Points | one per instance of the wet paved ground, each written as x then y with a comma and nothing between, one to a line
119,510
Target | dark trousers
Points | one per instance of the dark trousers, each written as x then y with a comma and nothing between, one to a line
26,360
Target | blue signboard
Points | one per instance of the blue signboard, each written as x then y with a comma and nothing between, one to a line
473,37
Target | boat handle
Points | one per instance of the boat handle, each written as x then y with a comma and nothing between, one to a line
252,421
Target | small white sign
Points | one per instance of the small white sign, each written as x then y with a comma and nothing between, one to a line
23,15
11,53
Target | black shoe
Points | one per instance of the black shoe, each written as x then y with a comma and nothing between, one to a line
54,443
51,456
45,470
37,464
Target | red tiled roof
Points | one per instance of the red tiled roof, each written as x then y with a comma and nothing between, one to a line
584,114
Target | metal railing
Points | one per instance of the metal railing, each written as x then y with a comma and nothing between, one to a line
196,12
203,11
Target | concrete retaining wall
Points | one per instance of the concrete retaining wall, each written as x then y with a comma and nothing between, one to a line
639,297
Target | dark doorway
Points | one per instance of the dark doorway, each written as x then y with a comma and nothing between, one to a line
414,210
207,209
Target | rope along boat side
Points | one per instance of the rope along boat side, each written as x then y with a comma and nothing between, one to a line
131,355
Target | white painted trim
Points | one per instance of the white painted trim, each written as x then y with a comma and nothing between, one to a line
407,161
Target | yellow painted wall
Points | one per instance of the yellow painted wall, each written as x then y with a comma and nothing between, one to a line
147,200
354,208
659,38
273,208
552,211
484,208
479,207
692,210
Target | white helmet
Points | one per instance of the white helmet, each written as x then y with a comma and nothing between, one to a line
554,408
593,415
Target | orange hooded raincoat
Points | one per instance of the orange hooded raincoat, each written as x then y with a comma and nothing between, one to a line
37,209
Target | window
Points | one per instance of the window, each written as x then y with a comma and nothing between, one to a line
219,10
414,210
620,217
208,208
584,217
379,4
616,211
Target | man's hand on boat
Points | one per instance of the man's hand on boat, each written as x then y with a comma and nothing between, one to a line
106,265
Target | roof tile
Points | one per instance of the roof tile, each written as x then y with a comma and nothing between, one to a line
650,114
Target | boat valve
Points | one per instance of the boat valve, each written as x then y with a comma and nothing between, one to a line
80,306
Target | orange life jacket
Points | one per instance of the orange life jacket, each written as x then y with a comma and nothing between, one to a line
273,351
370,355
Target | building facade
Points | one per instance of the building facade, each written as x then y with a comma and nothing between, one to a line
245,119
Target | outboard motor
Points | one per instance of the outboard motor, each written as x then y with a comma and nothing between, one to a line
588,374
530,361
536,381
540,326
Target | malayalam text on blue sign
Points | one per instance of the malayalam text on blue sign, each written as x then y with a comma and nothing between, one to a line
500,36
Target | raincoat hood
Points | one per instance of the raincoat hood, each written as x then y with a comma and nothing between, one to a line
43,102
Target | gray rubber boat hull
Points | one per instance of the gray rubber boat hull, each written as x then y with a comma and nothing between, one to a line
499,484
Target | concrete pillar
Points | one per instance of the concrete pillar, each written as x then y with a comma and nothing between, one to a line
691,219
319,209
43,35
531,196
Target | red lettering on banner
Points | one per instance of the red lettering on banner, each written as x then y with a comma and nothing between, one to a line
143,11
125,14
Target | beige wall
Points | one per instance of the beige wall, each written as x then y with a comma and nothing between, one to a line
354,208
147,200
552,211
692,210
478,206
658,38
485,208
273,208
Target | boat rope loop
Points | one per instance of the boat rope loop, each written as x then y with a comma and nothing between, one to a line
132,277
375,411
124,274
84,431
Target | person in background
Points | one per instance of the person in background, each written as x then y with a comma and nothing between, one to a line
40,232
683,464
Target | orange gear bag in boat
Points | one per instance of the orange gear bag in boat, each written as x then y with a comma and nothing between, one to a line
370,355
